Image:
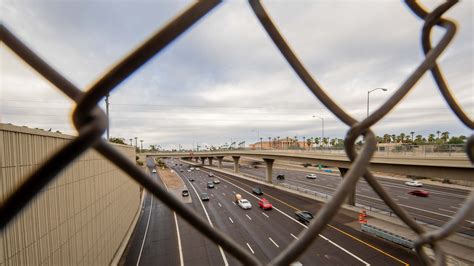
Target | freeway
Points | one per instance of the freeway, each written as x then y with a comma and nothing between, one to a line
437,209
162,238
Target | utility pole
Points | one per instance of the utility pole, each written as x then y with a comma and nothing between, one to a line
107,113
131,143
136,142
141,145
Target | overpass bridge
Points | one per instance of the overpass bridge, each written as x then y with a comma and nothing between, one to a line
441,166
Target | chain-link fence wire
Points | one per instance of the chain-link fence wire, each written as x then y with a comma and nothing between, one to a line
90,122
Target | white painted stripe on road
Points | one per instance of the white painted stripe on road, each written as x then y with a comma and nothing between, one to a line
251,250
230,219
294,236
146,231
274,242
293,219
233,192
223,194
234,203
325,238
248,217
224,258
181,261
446,210
264,214
218,203
402,197
457,208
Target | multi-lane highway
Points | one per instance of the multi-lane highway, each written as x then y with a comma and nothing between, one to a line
162,238
436,209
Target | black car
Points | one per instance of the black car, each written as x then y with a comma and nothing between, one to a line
304,216
210,184
185,193
210,174
204,197
257,190
191,179
280,177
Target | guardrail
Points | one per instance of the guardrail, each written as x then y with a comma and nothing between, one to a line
388,236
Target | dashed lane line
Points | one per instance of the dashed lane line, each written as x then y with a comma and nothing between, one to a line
230,219
293,236
274,243
264,214
248,217
146,231
251,250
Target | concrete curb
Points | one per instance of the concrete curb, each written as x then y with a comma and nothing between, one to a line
457,248
118,255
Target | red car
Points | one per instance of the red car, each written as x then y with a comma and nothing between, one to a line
418,192
265,204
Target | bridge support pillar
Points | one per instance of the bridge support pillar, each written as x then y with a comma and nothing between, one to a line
209,159
269,173
236,163
196,159
219,161
203,159
351,195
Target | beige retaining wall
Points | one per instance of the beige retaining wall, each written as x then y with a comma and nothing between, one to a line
80,218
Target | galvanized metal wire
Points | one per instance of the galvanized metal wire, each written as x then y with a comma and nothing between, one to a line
90,122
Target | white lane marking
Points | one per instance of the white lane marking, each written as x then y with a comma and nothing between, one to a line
251,250
293,219
457,208
146,231
230,219
418,209
248,217
293,236
181,261
224,258
218,203
223,194
233,192
446,210
274,242
402,197
359,259
212,195
234,203
264,214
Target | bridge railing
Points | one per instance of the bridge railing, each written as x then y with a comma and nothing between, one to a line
90,122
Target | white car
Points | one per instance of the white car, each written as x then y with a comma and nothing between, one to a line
153,171
311,176
413,183
189,170
197,168
244,204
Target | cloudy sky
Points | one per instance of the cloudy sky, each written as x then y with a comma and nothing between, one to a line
224,79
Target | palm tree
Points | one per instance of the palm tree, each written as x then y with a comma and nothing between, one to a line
394,138
402,137
386,138
431,138
412,133
419,139
438,132
445,136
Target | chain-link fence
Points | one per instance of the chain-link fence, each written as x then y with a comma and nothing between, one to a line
90,122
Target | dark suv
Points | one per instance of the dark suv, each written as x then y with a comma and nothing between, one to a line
280,177
257,190
304,216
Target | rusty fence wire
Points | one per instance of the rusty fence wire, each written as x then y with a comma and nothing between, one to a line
90,122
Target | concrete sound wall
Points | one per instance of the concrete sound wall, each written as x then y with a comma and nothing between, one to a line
80,218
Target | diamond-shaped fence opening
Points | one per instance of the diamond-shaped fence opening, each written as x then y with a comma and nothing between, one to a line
90,122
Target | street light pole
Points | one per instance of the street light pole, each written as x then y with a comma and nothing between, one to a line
368,98
258,133
322,126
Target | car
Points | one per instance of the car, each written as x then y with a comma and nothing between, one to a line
304,216
244,204
413,183
265,204
197,168
181,170
191,179
257,190
189,170
204,196
153,171
180,164
419,192
280,177
210,174
210,184
216,181
311,176
185,193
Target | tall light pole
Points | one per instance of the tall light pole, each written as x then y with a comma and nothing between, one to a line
368,94
141,145
261,147
107,113
322,126
136,142
258,133
131,143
